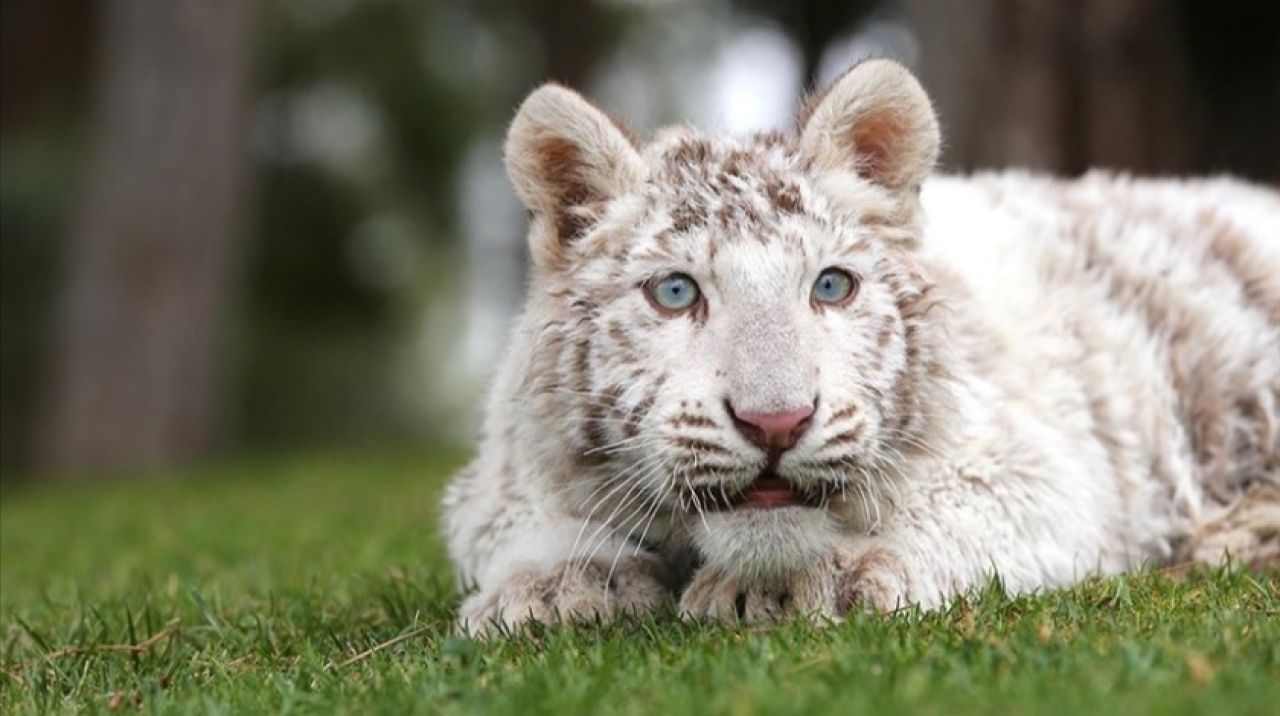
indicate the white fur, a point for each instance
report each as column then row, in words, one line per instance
column 1059, row 412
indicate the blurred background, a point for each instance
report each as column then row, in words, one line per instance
column 236, row 226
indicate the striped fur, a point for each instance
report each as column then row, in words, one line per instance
column 1040, row 377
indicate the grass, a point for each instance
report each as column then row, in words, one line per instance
column 320, row 585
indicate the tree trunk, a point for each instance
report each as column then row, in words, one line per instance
column 1058, row 87
column 135, row 378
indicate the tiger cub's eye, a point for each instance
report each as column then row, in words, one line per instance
column 673, row 292
column 834, row 286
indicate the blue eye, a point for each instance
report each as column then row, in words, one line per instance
column 834, row 286
column 674, row 292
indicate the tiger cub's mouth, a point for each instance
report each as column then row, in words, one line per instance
column 768, row 491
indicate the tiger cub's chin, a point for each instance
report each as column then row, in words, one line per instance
column 764, row 543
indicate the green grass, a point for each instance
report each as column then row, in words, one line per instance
column 282, row 586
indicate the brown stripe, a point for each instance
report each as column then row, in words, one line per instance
column 886, row 333
column 1259, row 281
column 697, row 445
column 622, row 338
column 848, row 436
column 636, row 414
column 698, row 421
column 845, row 412
column 1196, row 370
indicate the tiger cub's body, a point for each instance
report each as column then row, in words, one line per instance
column 1038, row 378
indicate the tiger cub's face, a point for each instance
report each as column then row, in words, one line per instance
column 734, row 329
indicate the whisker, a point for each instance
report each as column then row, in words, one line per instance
column 634, row 512
column 632, row 443
column 621, row 483
column 614, row 478
column 698, row 505
column 657, row 504
column 639, row 543
column 637, row 483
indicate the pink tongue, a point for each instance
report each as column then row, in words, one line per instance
column 769, row 492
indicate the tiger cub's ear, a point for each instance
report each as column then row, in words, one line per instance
column 875, row 120
column 564, row 158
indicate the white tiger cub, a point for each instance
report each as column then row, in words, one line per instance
column 794, row 374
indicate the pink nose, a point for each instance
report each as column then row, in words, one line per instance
column 774, row 432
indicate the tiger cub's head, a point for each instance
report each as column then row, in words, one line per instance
column 732, row 332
